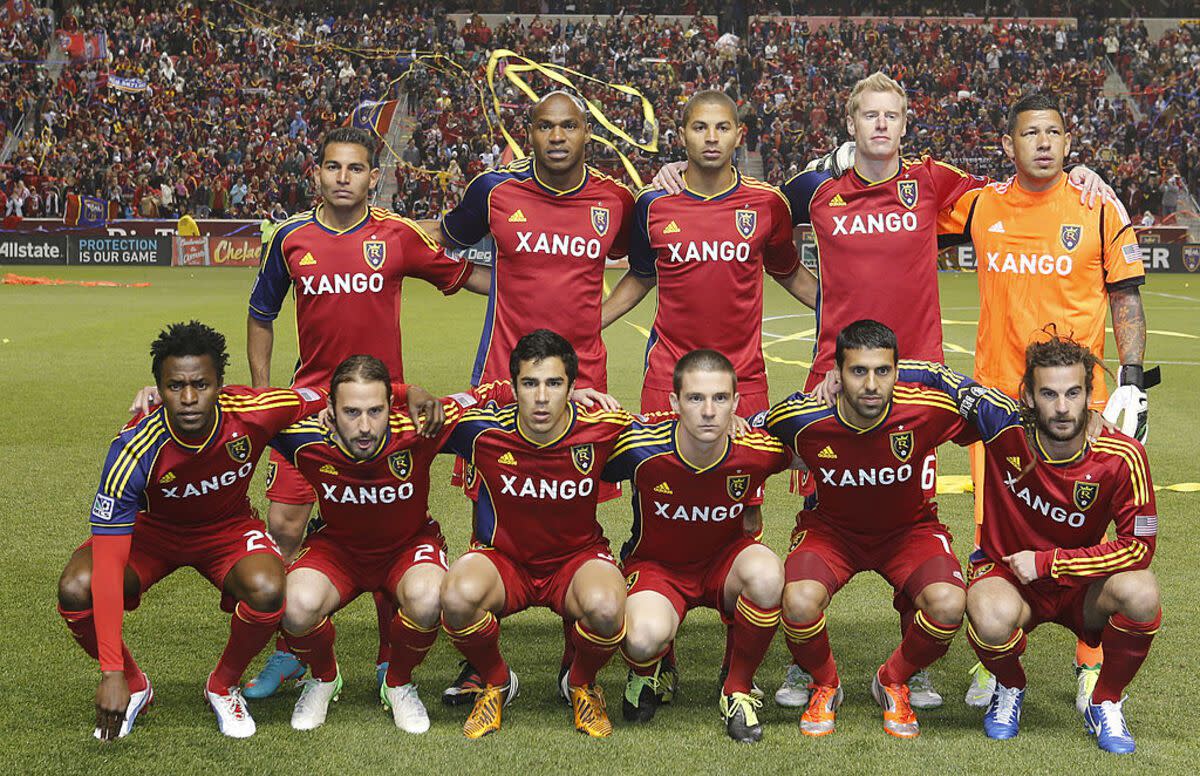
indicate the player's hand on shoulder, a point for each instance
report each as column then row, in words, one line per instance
column 112, row 699
column 146, row 400
column 1023, row 565
column 670, row 177
column 829, row 387
column 739, row 427
column 1098, row 424
column 1093, row 185
column 837, row 162
column 590, row 397
column 426, row 411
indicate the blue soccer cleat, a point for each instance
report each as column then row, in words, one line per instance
column 281, row 667
column 1002, row 720
column 380, row 675
column 1106, row 721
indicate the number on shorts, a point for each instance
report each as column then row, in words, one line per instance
column 425, row 554
column 259, row 540
column 929, row 473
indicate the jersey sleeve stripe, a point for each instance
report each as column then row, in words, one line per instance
column 130, row 455
column 1112, row 562
column 1135, row 463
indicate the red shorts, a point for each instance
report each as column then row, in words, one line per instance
column 525, row 587
column 354, row 571
column 285, row 483
column 1048, row 601
column 687, row 587
column 909, row 560
column 158, row 549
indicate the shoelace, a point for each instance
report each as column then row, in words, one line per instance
column 1006, row 705
column 920, row 681
column 822, row 698
column 748, row 704
column 981, row 676
column 235, row 703
column 1112, row 720
column 796, row 676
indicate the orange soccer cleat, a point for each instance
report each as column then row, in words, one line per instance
column 898, row 717
column 823, row 701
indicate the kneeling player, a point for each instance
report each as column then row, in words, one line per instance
column 872, row 455
column 1044, row 556
column 689, row 547
column 172, row 494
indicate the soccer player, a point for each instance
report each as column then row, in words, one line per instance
column 873, row 458
column 535, row 538
column 1044, row 555
column 345, row 263
column 1044, row 258
column 172, row 494
column 689, row 545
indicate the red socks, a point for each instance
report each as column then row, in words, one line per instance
column 479, row 643
column 409, row 643
column 1003, row 660
column 385, row 612
column 924, row 642
column 315, row 648
column 809, row 644
column 249, row 632
column 1126, row 643
column 748, row 639
column 592, row 651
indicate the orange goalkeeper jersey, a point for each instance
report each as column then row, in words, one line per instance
column 1043, row 258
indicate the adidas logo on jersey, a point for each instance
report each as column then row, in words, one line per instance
column 663, row 488
column 328, row 469
column 837, row 201
column 508, row 459
column 168, row 477
column 997, row 227
column 308, row 260
column 517, row 218
column 671, row 228
column 1015, row 462
column 827, row 453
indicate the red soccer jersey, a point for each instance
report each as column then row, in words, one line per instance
column 877, row 246
column 1059, row 509
column 708, row 255
column 872, row 482
column 684, row 515
column 551, row 248
column 347, row 286
column 536, row 503
column 152, row 474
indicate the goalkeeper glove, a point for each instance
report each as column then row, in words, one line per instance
column 837, row 162
column 1129, row 404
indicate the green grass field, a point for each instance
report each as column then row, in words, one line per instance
column 71, row 359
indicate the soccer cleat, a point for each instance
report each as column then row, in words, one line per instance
column 739, row 711
column 564, row 686
column 641, row 697
column 407, row 710
column 922, row 693
column 313, row 705
column 981, row 688
column 793, row 692
column 1106, row 721
column 668, row 679
column 380, row 676
column 755, row 690
column 591, row 715
column 898, row 717
column 1086, row 677
column 1002, row 720
column 823, row 701
column 489, row 700
column 280, row 667
column 138, row 701
column 463, row 690
column 233, row 716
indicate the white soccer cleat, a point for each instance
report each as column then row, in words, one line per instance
column 407, row 710
column 313, row 705
column 793, row 692
column 233, row 716
column 138, row 701
column 982, row 687
column 1086, row 677
column 922, row 693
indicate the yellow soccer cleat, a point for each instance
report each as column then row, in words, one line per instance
column 485, row 714
column 591, row 716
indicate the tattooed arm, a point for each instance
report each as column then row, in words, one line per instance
column 1129, row 324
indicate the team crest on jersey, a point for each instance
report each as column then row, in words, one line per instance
column 907, row 189
column 583, row 456
column 400, row 463
column 239, row 449
column 1191, row 257
column 797, row 538
column 1085, row 494
column 600, row 220
column 631, row 580
column 272, row 469
column 1070, row 234
column 375, row 253
column 902, row 445
column 746, row 222
column 736, row 485
column 981, row 569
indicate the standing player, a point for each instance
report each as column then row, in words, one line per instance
column 872, row 455
column 1044, row 556
column 689, row 545
column 345, row 263
column 172, row 494
column 1043, row 258
column 535, row 539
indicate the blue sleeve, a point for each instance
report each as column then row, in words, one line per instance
column 123, row 482
column 461, row 441
column 625, row 456
column 290, row 440
column 469, row 223
column 273, row 280
column 799, row 191
column 642, row 259
column 791, row 416
column 990, row 410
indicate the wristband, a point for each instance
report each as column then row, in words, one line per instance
column 1132, row 374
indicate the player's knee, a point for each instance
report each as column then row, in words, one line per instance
column 420, row 600
column 944, row 603
column 763, row 585
column 603, row 608
column 1137, row 594
column 804, row 601
column 265, row 590
column 646, row 635
column 303, row 610
column 993, row 621
column 75, row 589
column 462, row 593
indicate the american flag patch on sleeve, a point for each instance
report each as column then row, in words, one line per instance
column 1145, row 525
column 1132, row 253
column 308, row 394
column 463, row 400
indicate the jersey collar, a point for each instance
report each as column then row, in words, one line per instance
column 331, row 230
column 869, row 183
column 737, row 181
column 1041, row 451
column 696, row 469
column 858, row 429
column 189, row 446
column 567, row 430
column 559, row 192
